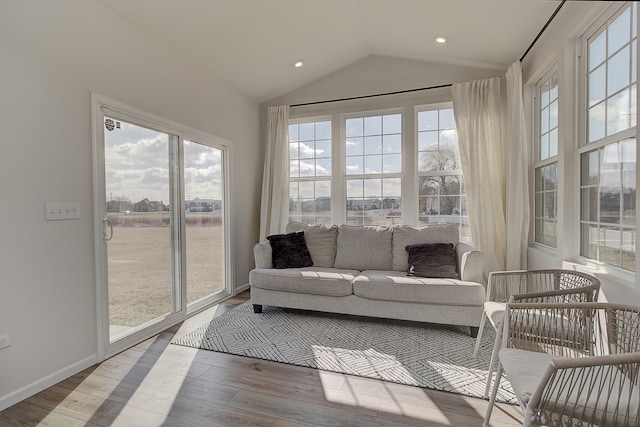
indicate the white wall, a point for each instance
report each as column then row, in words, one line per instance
column 53, row 55
column 559, row 44
column 380, row 74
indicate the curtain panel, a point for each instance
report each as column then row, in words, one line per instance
column 518, row 214
column 494, row 156
column 274, row 207
column 477, row 112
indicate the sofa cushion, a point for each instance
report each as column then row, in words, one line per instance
column 289, row 250
column 364, row 248
column 397, row 286
column 405, row 235
column 432, row 260
column 307, row 280
column 321, row 241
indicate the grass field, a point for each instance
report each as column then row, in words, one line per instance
column 140, row 266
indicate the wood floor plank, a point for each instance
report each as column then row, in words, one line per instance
column 27, row 414
column 298, row 411
column 72, row 404
column 159, row 384
column 129, row 415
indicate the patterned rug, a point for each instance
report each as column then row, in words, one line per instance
column 437, row 357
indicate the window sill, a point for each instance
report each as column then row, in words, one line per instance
column 616, row 280
column 547, row 250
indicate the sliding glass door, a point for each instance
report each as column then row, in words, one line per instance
column 142, row 225
column 204, row 218
column 162, row 230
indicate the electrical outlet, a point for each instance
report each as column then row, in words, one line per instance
column 62, row 210
column 5, row 341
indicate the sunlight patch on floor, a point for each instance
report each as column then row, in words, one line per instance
column 147, row 394
column 374, row 395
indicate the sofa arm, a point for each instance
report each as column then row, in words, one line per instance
column 262, row 255
column 470, row 263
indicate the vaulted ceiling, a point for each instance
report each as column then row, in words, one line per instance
column 252, row 44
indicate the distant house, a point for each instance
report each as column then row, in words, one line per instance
column 391, row 203
column 146, row 205
column 119, row 206
column 323, row 204
column 363, row 204
column 202, row 205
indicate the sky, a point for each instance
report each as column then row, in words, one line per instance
column 137, row 165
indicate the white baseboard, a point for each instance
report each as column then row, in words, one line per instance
column 46, row 382
column 241, row 289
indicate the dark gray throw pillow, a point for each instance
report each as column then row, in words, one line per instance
column 436, row 260
column 289, row 250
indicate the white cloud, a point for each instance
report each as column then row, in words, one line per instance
column 137, row 166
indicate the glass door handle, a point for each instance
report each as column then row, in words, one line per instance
column 108, row 224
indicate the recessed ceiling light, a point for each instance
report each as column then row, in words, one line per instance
column 298, row 64
column 441, row 39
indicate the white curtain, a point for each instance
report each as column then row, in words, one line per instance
column 477, row 112
column 274, row 210
column 518, row 214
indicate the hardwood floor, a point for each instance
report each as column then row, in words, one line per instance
column 158, row 384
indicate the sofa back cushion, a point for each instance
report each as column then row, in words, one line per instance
column 364, row 248
column 406, row 235
column 321, row 241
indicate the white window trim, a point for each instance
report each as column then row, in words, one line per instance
column 619, row 275
column 330, row 178
column 607, row 17
column 339, row 198
column 417, row 174
column 537, row 163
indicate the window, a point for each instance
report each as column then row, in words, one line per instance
column 608, row 158
column 546, row 168
column 440, row 181
column 611, row 75
column 310, row 171
column 362, row 178
column 373, row 166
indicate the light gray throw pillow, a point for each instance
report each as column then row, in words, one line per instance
column 364, row 248
column 321, row 241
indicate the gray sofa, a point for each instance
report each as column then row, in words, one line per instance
column 363, row 271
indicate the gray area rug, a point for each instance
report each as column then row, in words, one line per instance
column 437, row 357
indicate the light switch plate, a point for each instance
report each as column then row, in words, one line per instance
column 62, row 210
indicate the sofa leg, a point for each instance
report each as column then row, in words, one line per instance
column 257, row 308
column 474, row 331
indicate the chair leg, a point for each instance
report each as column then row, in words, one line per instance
column 479, row 338
column 492, row 401
column 492, row 364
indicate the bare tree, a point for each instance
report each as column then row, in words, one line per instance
column 446, row 186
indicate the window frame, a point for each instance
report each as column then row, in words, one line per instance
column 315, row 178
column 609, row 15
column 344, row 177
column 465, row 237
column 538, row 162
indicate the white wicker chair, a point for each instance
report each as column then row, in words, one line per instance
column 572, row 363
column 552, row 285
